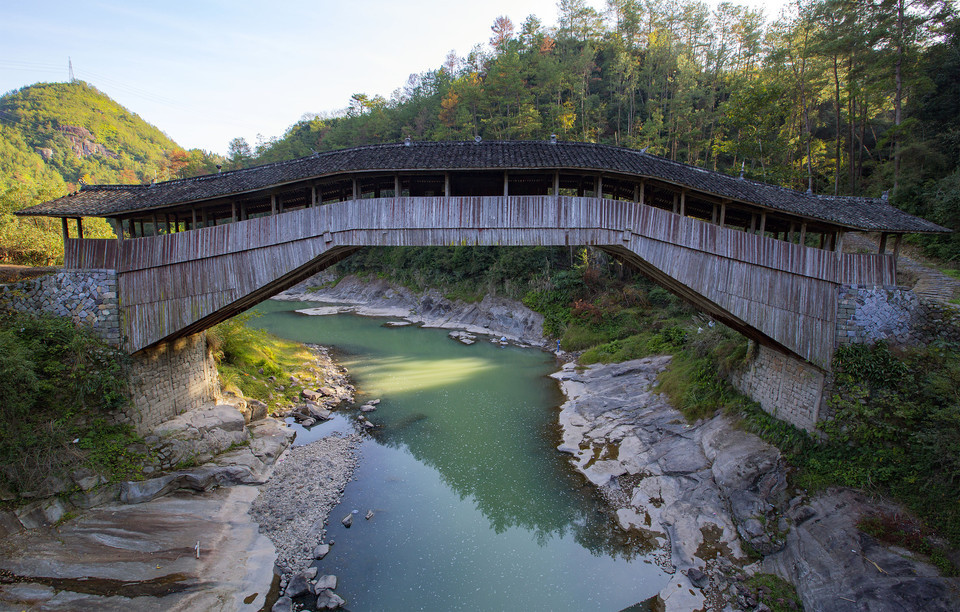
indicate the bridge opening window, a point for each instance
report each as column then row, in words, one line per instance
column 530, row 184
column 376, row 187
column 253, row 209
column 740, row 219
column 618, row 189
column 335, row 191
column 476, row 184
column 699, row 209
column 293, row 200
column 578, row 185
column 659, row 198
column 423, row 186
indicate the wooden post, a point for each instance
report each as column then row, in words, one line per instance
column 446, row 184
column 763, row 222
column 313, row 196
column 273, row 204
column 599, row 184
column 790, row 233
column 753, row 223
column 356, row 188
column 205, row 217
column 156, row 225
column 79, row 228
column 506, row 183
column 676, row 207
column 839, row 245
column 803, row 233
column 883, row 243
column 713, row 213
column 683, row 203
column 642, row 199
column 556, row 184
column 896, row 246
column 193, row 212
column 636, row 194
column 66, row 229
column 723, row 214
column 396, row 185
column 233, row 212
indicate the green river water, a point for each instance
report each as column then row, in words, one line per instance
column 475, row 509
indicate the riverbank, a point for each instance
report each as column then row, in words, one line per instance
column 492, row 316
column 183, row 539
column 717, row 500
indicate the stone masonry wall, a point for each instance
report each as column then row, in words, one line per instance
column 784, row 386
column 170, row 379
column 83, row 296
column 866, row 315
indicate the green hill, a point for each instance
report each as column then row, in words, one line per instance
column 53, row 136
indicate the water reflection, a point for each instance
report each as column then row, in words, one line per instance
column 466, row 447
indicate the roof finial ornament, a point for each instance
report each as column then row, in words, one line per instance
column 477, row 139
column 743, row 166
column 407, row 142
column 809, row 190
column 644, row 149
column 885, row 196
column 219, row 168
column 553, row 139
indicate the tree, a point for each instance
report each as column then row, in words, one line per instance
column 239, row 154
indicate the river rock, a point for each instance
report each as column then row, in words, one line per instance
column 283, row 604
column 325, row 583
column 463, row 337
column 347, row 520
column 328, row 600
column 311, row 395
column 367, row 408
column 298, row 585
column 837, row 568
column 321, row 551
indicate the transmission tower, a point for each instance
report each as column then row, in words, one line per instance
column 70, row 64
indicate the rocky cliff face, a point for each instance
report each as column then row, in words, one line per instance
column 83, row 143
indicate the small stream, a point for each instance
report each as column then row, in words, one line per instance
column 474, row 508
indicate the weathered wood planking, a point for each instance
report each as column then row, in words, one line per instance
column 780, row 293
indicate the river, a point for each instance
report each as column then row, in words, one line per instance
column 474, row 508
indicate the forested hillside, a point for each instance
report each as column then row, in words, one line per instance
column 842, row 96
column 54, row 136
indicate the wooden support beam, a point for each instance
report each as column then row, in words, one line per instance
column 723, row 214
column 156, row 225
column 313, row 196
column 446, row 184
column 599, row 184
column 273, row 204
column 676, row 204
column 233, row 212
column 66, row 229
column 396, row 185
column 713, row 214
column 838, row 247
column 763, row 222
column 683, row 203
column 803, row 233
column 80, row 228
column 642, row 186
column 506, row 183
column 793, row 227
column 556, row 184
column 883, row 243
column 896, row 246
column 193, row 212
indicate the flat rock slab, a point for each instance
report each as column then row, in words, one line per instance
column 143, row 557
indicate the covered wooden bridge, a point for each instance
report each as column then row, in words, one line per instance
column 764, row 260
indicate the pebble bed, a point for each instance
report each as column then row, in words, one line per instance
column 293, row 507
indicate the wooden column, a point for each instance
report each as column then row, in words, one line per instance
column 313, row 196
column 642, row 199
column 66, row 229
column 556, row 184
column 446, row 184
column 803, row 233
column 723, row 214
column 763, row 222
column 156, row 225
column 233, row 212
column 273, row 204
column 79, row 228
column 356, row 190
column 896, row 246
column 193, row 212
column 790, row 233
column 683, row 203
column 883, row 243
column 506, row 183
column 839, row 245
column 599, row 185
column 676, row 206
column 396, row 185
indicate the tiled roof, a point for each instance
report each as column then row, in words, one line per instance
column 868, row 214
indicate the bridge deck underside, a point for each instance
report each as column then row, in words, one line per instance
column 781, row 294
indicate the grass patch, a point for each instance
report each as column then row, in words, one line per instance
column 258, row 365
column 773, row 591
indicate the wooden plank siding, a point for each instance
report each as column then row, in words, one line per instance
column 779, row 293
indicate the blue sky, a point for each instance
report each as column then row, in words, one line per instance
column 208, row 71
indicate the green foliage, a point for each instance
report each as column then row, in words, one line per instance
column 773, row 591
column 62, row 385
column 248, row 357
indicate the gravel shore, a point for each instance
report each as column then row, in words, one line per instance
column 293, row 507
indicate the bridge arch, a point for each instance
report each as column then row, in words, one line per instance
column 764, row 260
